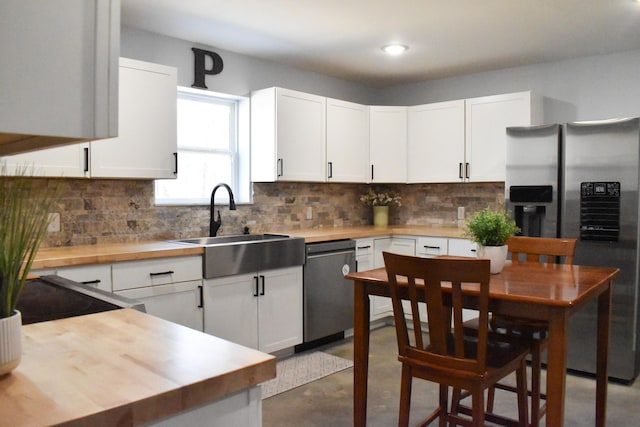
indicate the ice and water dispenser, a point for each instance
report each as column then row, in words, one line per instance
column 531, row 188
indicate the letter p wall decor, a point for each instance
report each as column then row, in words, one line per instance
column 200, row 66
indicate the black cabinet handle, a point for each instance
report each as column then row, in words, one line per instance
column 330, row 170
column 175, row 159
column 262, row 279
column 161, row 273
column 432, row 247
column 86, row 159
column 364, row 247
column 91, row 282
column 371, row 171
column 200, row 290
column 280, row 166
column 460, row 170
column 466, row 170
column 255, row 292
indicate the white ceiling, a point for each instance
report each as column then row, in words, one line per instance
column 342, row 38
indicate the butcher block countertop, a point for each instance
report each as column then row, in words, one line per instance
column 122, row 367
column 114, row 252
column 313, row 235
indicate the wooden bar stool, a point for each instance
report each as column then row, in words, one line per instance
column 450, row 358
column 534, row 333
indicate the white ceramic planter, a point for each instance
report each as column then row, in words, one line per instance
column 496, row 254
column 10, row 342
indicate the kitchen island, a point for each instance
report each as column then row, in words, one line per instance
column 127, row 368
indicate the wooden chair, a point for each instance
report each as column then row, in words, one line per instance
column 539, row 250
column 450, row 358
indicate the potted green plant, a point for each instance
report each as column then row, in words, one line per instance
column 24, row 218
column 380, row 202
column 491, row 229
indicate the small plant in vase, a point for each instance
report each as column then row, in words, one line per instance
column 24, row 218
column 491, row 229
column 380, row 202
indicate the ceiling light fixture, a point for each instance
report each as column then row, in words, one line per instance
column 394, row 49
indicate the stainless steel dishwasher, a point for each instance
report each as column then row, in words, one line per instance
column 328, row 296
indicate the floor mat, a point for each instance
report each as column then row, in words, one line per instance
column 302, row 369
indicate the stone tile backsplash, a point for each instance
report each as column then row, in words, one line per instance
column 116, row 211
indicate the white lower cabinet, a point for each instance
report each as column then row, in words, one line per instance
column 381, row 306
column 169, row 287
column 261, row 310
column 176, row 302
column 462, row 247
column 428, row 247
column 96, row 275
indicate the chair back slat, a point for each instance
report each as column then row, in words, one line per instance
column 440, row 282
column 542, row 249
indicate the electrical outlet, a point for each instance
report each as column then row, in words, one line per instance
column 309, row 212
column 54, row 222
column 461, row 212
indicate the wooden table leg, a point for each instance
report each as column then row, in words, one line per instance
column 360, row 353
column 556, row 368
column 604, row 319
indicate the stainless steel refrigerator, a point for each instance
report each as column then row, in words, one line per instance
column 597, row 203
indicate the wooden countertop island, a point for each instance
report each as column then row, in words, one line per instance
column 125, row 368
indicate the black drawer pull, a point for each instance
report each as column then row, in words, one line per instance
column 364, row 247
column 162, row 273
column 91, row 282
column 432, row 247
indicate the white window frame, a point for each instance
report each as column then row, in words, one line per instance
column 239, row 154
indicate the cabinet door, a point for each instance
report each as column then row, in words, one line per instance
column 57, row 79
column 177, row 302
column 347, row 141
column 381, row 306
column 70, row 161
column 146, row 145
column 364, row 254
column 462, row 247
column 429, row 247
column 230, row 308
column 435, row 142
column 280, row 309
column 96, row 275
column 288, row 136
column 388, row 144
column 486, row 121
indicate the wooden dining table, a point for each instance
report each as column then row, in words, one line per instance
column 547, row 292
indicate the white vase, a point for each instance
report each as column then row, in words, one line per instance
column 381, row 216
column 496, row 254
column 10, row 342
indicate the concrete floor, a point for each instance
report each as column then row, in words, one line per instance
column 328, row 402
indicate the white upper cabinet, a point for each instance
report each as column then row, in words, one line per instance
column 70, row 161
column 288, row 136
column 347, row 141
column 146, row 145
column 435, row 142
column 486, row 121
column 58, row 83
column 388, row 144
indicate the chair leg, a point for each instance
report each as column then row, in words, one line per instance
column 491, row 395
column 477, row 408
column 444, row 406
column 405, row 396
column 536, row 367
column 521, row 384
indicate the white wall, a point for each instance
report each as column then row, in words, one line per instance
column 241, row 74
column 590, row 88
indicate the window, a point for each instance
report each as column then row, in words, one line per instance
column 213, row 147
